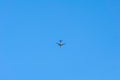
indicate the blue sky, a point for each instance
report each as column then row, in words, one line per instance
column 30, row 29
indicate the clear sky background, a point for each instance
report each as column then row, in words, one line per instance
column 29, row 30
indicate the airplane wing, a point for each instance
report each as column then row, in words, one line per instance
column 63, row 44
column 60, row 40
column 57, row 43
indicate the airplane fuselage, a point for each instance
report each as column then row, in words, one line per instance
column 60, row 43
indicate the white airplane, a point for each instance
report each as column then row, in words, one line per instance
column 60, row 43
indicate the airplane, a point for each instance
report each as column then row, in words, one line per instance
column 60, row 43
